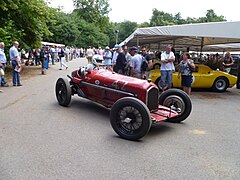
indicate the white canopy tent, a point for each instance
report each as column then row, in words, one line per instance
column 52, row 44
column 194, row 37
column 222, row 47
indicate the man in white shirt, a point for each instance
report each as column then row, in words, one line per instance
column 167, row 67
column 15, row 59
column 89, row 54
column 107, row 57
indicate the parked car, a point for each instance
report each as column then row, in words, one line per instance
column 135, row 104
column 203, row 77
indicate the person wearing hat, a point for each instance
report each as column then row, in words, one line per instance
column 114, row 56
column 107, row 57
column 135, row 63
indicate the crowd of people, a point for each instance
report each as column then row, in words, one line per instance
column 122, row 59
column 135, row 63
column 42, row 56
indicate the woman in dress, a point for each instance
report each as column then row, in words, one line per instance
column 186, row 67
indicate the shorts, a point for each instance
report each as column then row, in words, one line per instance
column 166, row 78
column 187, row 81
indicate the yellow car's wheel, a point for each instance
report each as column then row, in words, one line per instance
column 220, row 84
column 157, row 66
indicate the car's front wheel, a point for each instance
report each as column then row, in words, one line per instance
column 178, row 101
column 63, row 91
column 220, row 84
column 156, row 66
column 130, row 118
column 158, row 83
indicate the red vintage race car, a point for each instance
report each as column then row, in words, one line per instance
column 134, row 103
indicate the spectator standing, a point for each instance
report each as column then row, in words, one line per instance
column 135, row 63
column 167, row 67
column 56, row 49
column 67, row 54
column 227, row 62
column 120, row 61
column 42, row 59
column 128, row 58
column 185, row 70
column 107, row 57
column 15, row 59
column 148, row 58
column 62, row 62
column 52, row 52
column 89, row 54
column 3, row 62
column 47, row 57
column 100, row 51
column 114, row 57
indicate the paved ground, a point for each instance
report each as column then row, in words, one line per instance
column 41, row 140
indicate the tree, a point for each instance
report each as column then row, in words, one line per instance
column 93, row 11
column 25, row 21
column 160, row 18
column 64, row 30
column 125, row 29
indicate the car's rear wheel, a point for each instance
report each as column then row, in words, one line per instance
column 220, row 84
column 178, row 101
column 63, row 91
column 130, row 118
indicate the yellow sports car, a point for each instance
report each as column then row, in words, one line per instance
column 203, row 77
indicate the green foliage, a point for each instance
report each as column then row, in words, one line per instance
column 31, row 21
column 125, row 29
column 27, row 20
column 64, row 30
column 160, row 18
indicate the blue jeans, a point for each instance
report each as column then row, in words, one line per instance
column 166, row 78
column 46, row 62
column 2, row 78
column 15, row 74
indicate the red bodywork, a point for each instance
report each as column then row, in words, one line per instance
column 106, row 87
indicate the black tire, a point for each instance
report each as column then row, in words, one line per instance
column 156, row 66
column 130, row 118
column 63, row 91
column 220, row 84
column 179, row 101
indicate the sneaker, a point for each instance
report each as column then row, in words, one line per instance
column 19, row 85
column 5, row 85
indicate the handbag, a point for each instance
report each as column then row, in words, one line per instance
column 2, row 72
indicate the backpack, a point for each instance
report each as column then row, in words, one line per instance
column 144, row 64
column 41, row 54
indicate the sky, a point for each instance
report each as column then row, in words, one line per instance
column 141, row 10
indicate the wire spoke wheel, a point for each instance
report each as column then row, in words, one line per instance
column 178, row 101
column 130, row 118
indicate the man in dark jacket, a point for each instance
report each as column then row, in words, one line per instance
column 121, row 61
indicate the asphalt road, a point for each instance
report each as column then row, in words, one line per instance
column 41, row 140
